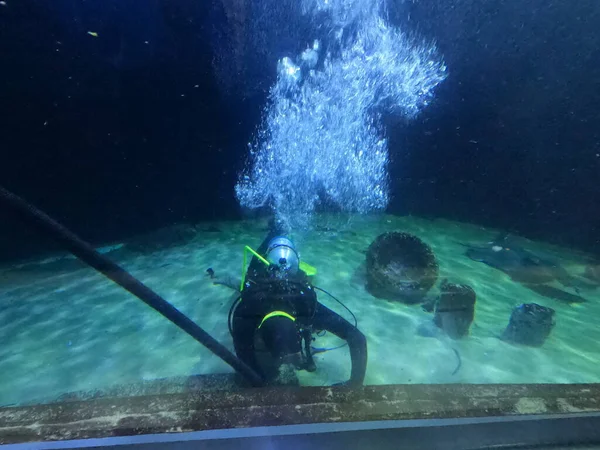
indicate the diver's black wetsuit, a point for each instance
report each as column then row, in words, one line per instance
column 264, row 294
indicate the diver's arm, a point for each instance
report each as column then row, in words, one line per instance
column 326, row 319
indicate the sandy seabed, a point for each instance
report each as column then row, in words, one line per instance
column 64, row 327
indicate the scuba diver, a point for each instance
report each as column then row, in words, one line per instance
column 278, row 312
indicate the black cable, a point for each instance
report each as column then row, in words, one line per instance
column 347, row 309
column 233, row 305
column 114, row 272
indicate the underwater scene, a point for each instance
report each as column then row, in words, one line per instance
column 304, row 193
column 68, row 329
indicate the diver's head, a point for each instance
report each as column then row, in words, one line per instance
column 282, row 340
column 278, row 225
column 282, row 254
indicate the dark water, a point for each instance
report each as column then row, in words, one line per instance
column 134, row 129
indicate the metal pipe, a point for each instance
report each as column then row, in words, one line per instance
column 113, row 271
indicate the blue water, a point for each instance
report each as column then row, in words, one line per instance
column 322, row 138
column 66, row 328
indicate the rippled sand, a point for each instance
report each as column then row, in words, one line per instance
column 65, row 328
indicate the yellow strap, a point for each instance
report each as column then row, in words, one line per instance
column 308, row 269
column 263, row 260
column 260, row 258
column 274, row 314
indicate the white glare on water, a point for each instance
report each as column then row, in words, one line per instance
column 322, row 138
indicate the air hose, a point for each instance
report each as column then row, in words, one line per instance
column 114, row 272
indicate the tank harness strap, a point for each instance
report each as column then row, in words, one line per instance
column 274, row 314
column 260, row 258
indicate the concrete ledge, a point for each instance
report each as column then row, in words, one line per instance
column 202, row 410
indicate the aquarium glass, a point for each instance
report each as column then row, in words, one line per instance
column 314, row 184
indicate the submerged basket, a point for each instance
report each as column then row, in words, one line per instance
column 400, row 267
column 455, row 309
column 530, row 324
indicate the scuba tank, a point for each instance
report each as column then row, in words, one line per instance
column 282, row 255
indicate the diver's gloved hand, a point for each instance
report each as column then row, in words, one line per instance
column 310, row 366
